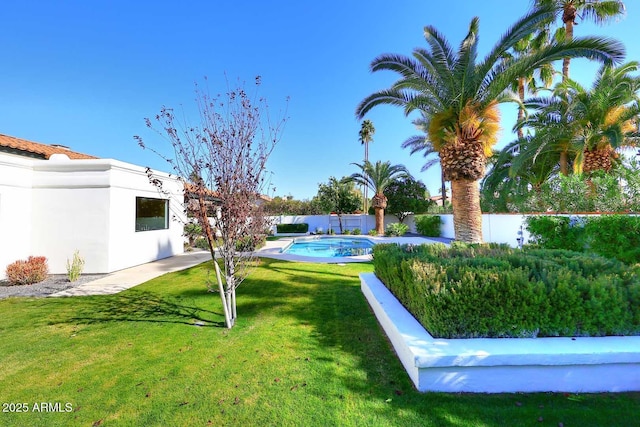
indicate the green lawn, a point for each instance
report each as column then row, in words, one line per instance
column 306, row 351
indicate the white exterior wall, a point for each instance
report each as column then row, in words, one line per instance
column 496, row 228
column 130, row 247
column 86, row 205
column 15, row 210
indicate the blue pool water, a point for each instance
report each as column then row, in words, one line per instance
column 329, row 247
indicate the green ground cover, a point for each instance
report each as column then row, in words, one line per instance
column 306, row 351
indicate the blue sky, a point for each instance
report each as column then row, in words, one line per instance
column 86, row 73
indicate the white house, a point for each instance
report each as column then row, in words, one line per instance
column 54, row 201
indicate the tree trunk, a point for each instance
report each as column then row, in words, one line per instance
column 564, row 163
column 467, row 215
column 379, row 220
column 568, row 25
column 521, row 95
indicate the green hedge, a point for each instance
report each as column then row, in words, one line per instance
column 428, row 225
column 469, row 291
column 292, row 228
column 612, row 236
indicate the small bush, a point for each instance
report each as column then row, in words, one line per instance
column 611, row 236
column 28, row 272
column 428, row 225
column 192, row 231
column 331, row 232
column 292, row 228
column 470, row 291
column 357, row 231
column 201, row 243
column 556, row 232
column 347, row 232
column 250, row 243
column 75, row 267
column 396, row 229
column 372, row 232
column 614, row 236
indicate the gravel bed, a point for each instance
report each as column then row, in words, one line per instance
column 52, row 284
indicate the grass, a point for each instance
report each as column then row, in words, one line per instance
column 306, row 351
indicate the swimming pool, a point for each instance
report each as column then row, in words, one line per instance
column 329, row 247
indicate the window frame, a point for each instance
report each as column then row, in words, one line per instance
column 151, row 226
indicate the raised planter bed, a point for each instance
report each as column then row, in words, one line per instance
column 487, row 365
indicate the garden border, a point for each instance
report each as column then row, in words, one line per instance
column 503, row 365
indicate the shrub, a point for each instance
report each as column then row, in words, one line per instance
column 201, row 243
column 75, row 267
column 396, row 229
column 192, row 232
column 28, row 272
column 346, row 231
column 469, row 291
column 292, row 228
column 357, row 231
column 556, row 232
column 428, row 225
column 250, row 243
column 612, row 236
column 372, row 232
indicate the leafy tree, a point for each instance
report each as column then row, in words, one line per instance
column 598, row 11
column 338, row 196
column 223, row 158
column 459, row 96
column 378, row 177
column 407, row 195
column 290, row 206
column 590, row 125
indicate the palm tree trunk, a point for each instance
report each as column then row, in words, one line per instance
column 379, row 220
column 467, row 215
column 521, row 95
column 564, row 163
column 568, row 25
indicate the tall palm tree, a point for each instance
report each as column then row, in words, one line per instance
column 607, row 116
column 378, row 176
column 365, row 137
column 598, row 11
column 554, row 126
column 459, row 98
column 535, row 80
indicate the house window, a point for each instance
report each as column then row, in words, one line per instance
column 151, row 214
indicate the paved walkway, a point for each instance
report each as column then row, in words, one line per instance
column 124, row 279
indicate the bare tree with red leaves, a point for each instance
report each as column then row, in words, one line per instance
column 222, row 160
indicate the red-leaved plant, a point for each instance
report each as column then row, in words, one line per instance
column 33, row 270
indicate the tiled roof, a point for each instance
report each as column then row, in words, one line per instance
column 40, row 150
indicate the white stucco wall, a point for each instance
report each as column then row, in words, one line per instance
column 86, row 205
column 127, row 183
column 15, row 210
column 363, row 222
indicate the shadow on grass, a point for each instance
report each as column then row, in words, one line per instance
column 331, row 302
column 141, row 306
